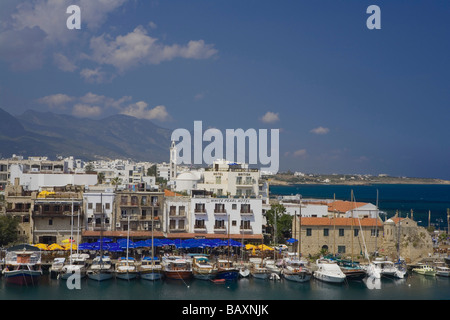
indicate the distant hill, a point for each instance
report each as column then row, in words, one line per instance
column 49, row 134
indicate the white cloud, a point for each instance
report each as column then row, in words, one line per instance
column 56, row 101
column 96, row 75
column 300, row 153
column 270, row 117
column 320, row 130
column 140, row 110
column 63, row 63
column 138, row 48
column 85, row 110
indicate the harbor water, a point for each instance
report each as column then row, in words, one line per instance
column 414, row 287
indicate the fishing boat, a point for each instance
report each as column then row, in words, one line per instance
column 56, row 267
column 22, row 265
column 203, row 269
column 101, row 269
column 352, row 270
column 226, row 270
column 126, row 268
column 176, row 267
column 425, row 270
column 150, row 269
column 443, row 271
column 77, row 265
column 329, row 271
column 273, row 266
column 296, row 270
column 258, row 269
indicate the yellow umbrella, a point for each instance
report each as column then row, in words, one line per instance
column 67, row 246
column 264, row 247
column 68, row 240
column 41, row 246
column 249, row 246
column 55, row 246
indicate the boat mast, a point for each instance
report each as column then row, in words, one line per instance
column 300, row 230
column 352, row 232
column 128, row 236
column 71, row 233
column 376, row 225
column 153, row 253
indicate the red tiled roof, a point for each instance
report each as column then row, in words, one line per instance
column 365, row 222
column 344, row 206
column 169, row 193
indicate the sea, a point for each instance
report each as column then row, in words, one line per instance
column 179, row 299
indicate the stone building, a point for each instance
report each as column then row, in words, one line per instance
column 402, row 236
column 344, row 236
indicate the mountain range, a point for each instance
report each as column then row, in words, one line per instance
column 37, row 133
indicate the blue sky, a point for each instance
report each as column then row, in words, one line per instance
column 345, row 98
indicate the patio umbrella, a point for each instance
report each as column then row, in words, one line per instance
column 264, row 247
column 67, row 246
column 291, row 240
column 250, row 246
column 68, row 240
column 41, row 246
column 55, row 246
column 85, row 246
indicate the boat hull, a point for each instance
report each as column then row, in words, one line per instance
column 328, row 278
column 354, row 274
column 205, row 275
column 297, row 276
column 126, row 275
column 151, row 276
column 261, row 275
column 228, row 275
column 100, row 276
column 178, row 275
column 67, row 275
column 22, row 277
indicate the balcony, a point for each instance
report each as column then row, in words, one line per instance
column 200, row 210
column 199, row 228
column 246, row 229
column 220, row 229
column 246, row 212
column 220, row 211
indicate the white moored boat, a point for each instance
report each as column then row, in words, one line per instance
column 329, row 271
column 77, row 265
column 101, row 269
column 126, row 269
column 297, row 270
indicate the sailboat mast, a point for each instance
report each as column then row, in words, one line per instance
column 300, row 230
column 352, row 232
column 71, row 233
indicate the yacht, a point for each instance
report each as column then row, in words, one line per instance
column 126, row 268
column 388, row 269
column 258, row 269
column 56, row 267
column 150, row 269
column 329, row 271
column 101, row 269
column 297, row 270
column 77, row 264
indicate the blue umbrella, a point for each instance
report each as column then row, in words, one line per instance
column 291, row 240
column 85, row 246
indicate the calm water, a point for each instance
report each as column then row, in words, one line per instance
column 414, row 287
column 419, row 198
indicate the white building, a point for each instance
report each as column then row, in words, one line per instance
column 230, row 178
column 238, row 218
column 188, row 181
column 98, row 209
column 36, row 181
column 177, row 212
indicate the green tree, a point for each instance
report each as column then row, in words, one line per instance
column 89, row 168
column 100, row 177
column 151, row 172
column 8, row 230
column 279, row 221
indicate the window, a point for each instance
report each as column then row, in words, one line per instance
column 374, row 233
column 219, row 224
column 90, row 205
column 234, row 206
column 245, row 224
column 107, row 206
column 199, row 223
column 341, row 232
column 182, row 210
column 325, row 232
column 50, row 222
column 98, row 207
column 308, row 232
column 341, row 249
column 173, row 210
column 355, row 232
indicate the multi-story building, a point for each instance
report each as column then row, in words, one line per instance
column 99, row 205
column 19, row 204
column 229, row 178
column 52, row 213
column 177, row 213
column 237, row 218
column 144, row 210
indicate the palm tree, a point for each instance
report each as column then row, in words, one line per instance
column 115, row 182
